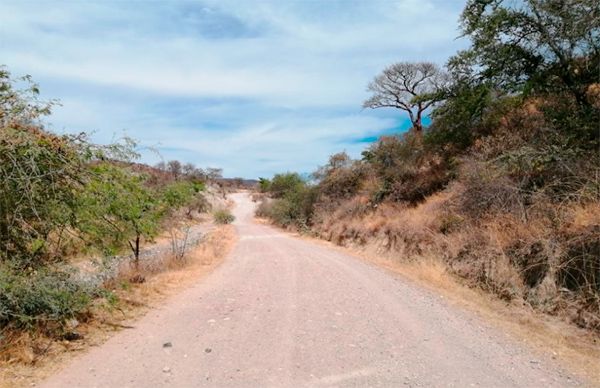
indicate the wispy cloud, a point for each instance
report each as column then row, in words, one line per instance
column 254, row 87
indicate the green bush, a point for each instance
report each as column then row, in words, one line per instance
column 41, row 298
column 117, row 209
column 282, row 184
column 264, row 185
column 41, row 175
column 223, row 216
column 47, row 168
column 178, row 194
column 295, row 209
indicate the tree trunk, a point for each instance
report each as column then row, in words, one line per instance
column 418, row 127
column 417, row 122
column 137, row 251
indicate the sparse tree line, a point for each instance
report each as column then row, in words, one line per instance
column 188, row 170
column 63, row 196
column 503, row 184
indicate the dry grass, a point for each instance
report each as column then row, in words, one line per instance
column 504, row 265
column 389, row 227
column 577, row 349
column 30, row 358
column 518, row 256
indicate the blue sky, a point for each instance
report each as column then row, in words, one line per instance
column 253, row 87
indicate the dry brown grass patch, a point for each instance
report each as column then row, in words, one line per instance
column 30, row 358
column 577, row 349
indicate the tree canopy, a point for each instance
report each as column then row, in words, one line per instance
column 411, row 87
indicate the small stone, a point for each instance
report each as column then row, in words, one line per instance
column 167, row 345
column 166, row 369
column 72, row 336
column 208, row 350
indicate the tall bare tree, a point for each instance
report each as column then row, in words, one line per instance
column 411, row 87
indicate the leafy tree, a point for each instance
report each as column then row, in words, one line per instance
column 532, row 45
column 117, row 207
column 39, row 175
column 282, row 184
column 178, row 194
column 185, row 194
column 294, row 200
column 411, row 87
column 264, row 185
column 21, row 106
column 460, row 119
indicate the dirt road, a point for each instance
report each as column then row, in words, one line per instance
column 285, row 312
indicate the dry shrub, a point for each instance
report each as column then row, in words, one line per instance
column 223, row 216
column 578, row 274
column 593, row 95
column 540, row 254
column 257, row 197
column 264, row 209
column 414, row 186
column 390, row 226
column 406, row 170
column 485, row 190
column 476, row 257
column 24, row 347
column 342, row 182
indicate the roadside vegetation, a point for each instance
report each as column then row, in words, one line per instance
column 63, row 198
column 503, row 186
column 223, row 216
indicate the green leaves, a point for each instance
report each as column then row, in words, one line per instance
column 44, row 297
column 223, row 216
column 40, row 176
column 282, row 184
column 179, row 194
column 116, row 207
column 537, row 46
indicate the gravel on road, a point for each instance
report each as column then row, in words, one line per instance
column 285, row 312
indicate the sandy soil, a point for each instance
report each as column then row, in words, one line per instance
column 283, row 311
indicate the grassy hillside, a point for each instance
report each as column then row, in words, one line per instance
column 503, row 186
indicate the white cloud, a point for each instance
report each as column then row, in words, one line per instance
column 226, row 83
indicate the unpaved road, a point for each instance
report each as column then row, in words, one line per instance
column 285, row 312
